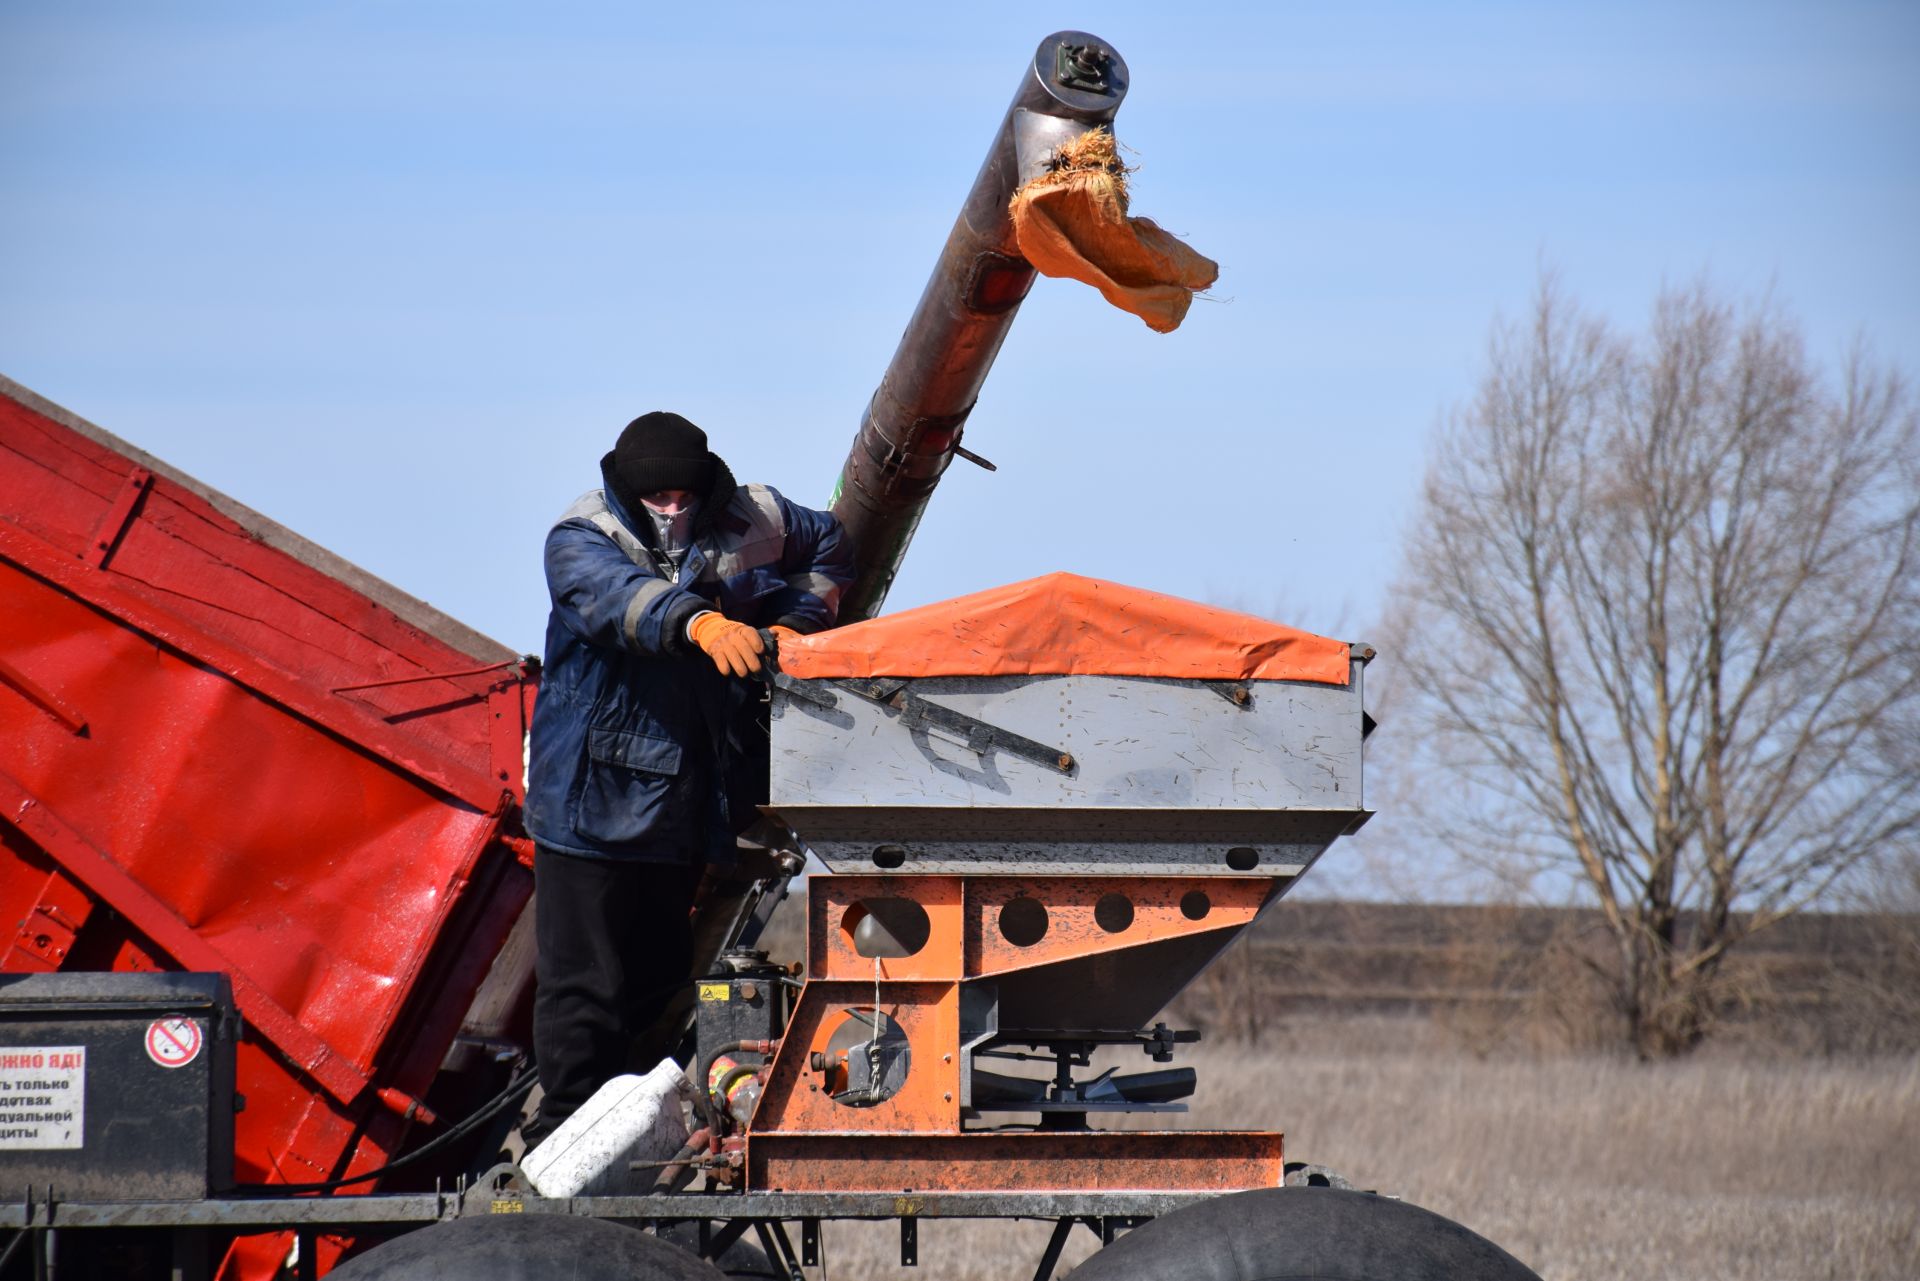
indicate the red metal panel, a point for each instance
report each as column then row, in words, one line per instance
column 445, row 759
column 188, row 573
column 45, row 935
column 50, row 703
column 222, row 749
column 110, row 883
column 249, row 824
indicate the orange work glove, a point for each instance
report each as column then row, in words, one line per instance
column 783, row 634
column 734, row 647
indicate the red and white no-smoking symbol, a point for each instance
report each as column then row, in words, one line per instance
column 174, row 1042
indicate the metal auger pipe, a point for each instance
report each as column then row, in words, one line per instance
column 912, row 426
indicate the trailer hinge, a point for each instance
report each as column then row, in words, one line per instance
column 45, row 936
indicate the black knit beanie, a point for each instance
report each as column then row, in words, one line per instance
column 663, row 451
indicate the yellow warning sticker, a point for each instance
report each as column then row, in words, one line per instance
column 715, row 991
column 506, row 1206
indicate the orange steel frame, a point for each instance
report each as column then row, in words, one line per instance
column 803, row 1140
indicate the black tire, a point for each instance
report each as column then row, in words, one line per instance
column 526, row 1247
column 1303, row 1234
column 739, row 1261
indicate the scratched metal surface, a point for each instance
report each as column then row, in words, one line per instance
column 1168, row 775
column 1139, row 742
column 1068, row 841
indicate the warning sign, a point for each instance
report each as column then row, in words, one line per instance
column 173, row 1042
column 43, row 1096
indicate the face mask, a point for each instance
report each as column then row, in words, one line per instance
column 674, row 531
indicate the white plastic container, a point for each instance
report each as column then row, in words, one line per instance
column 630, row 1118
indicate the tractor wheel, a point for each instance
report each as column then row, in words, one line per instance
column 1302, row 1234
column 526, row 1247
column 739, row 1261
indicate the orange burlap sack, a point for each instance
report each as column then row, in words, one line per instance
column 1072, row 221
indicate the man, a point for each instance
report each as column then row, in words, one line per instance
column 649, row 746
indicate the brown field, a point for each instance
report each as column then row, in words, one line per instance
column 1441, row 1055
column 1585, row 1167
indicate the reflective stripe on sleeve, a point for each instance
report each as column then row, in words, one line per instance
column 643, row 595
column 816, row 585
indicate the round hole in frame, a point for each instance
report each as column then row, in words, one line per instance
column 1023, row 921
column 890, row 928
column 1242, row 858
column 889, row 856
column 1113, row 913
column 1194, row 905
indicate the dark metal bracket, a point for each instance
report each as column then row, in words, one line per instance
column 1081, row 66
column 778, row 1247
column 1107, row 1227
column 979, row 736
column 1236, row 692
column 915, row 711
column 814, row 692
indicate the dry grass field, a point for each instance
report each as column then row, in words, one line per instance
column 1443, row 1055
column 1587, row 1168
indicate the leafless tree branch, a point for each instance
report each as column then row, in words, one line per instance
column 1662, row 612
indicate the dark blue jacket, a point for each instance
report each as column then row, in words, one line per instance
column 641, row 749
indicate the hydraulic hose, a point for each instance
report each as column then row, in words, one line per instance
column 723, row 1091
column 516, row 1091
column 674, row 1166
column 703, row 1094
column 731, row 1047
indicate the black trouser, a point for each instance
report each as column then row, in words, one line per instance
column 614, row 944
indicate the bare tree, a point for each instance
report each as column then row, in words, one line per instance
column 1661, row 611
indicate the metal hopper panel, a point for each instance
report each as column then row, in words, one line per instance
column 1173, row 776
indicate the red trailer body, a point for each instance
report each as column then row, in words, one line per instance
column 222, row 748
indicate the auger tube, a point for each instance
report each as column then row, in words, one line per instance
column 911, row 430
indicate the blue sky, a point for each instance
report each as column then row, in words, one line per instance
column 396, row 274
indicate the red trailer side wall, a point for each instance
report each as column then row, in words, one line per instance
column 189, row 780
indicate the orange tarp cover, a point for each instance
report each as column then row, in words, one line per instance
column 1063, row 624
